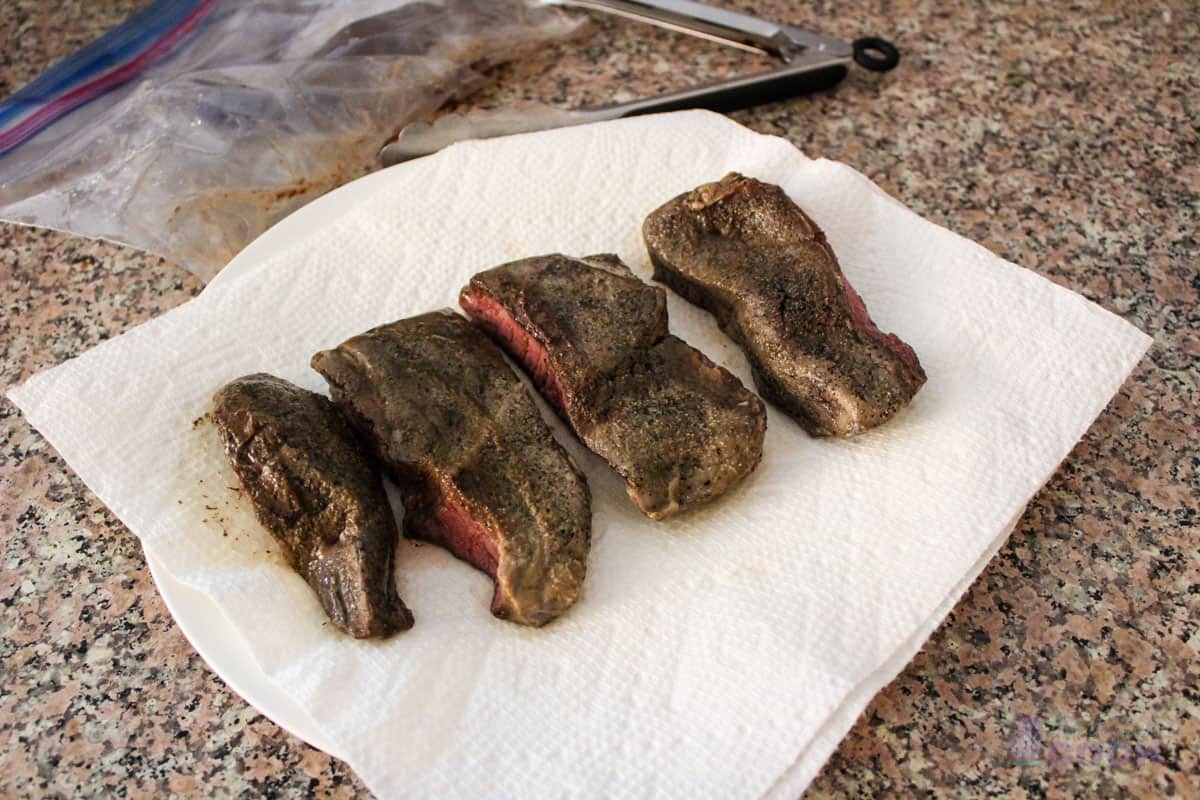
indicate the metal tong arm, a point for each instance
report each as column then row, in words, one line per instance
column 785, row 42
column 809, row 62
column 696, row 19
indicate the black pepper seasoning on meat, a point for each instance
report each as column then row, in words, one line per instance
column 478, row 469
column 680, row 430
column 742, row 250
column 315, row 490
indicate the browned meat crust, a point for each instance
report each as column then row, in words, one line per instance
column 744, row 251
column 314, row 489
column 680, row 430
column 478, row 468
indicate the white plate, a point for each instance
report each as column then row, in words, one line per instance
column 220, row 645
column 198, row 616
column 217, row 642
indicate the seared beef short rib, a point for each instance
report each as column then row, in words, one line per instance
column 479, row 471
column 745, row 252
column 314, row 489
column 680, row 430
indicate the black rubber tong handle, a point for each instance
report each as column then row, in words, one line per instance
column 871, row 52
column 726, row 97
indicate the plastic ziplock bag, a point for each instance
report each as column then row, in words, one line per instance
column 197, row 124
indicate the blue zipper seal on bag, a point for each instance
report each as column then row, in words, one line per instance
column 115, row 58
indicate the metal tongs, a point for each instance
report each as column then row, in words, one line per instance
column 808, row 62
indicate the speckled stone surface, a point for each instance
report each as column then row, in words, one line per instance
column 1063, row 137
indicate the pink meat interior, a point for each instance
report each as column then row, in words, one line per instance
column 466, row 537
column 858, row 309
column 517, row 341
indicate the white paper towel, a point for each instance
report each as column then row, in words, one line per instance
column 719, row 655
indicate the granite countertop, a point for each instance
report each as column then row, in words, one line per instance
column 1063, row 138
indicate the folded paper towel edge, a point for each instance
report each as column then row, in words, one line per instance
column 793, row 782
column 813, row 757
